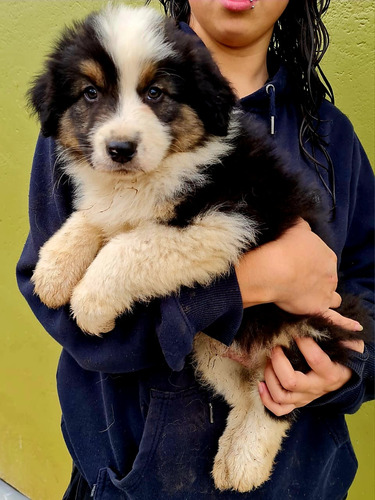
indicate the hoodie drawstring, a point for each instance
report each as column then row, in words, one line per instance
column 270, row 89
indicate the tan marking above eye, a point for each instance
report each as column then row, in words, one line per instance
column 93, row 71
column 146, row 76
column 152, row 75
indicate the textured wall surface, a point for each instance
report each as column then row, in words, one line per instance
column 349, row 64
column 33, row 456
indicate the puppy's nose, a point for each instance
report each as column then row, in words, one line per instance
column 121, row 151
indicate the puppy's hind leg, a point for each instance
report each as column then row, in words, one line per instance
column 252, row 437
column 64, row 258
column 248, row 446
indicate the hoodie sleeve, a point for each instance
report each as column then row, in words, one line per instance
column 356, row 266
column 161, row 329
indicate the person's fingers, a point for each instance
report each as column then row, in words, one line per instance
column 289, row 379
column 326, row 375
column 315, row 357
column 354, row 345
column 274, row 386
column 277, row 409
column 337, row 319
column 285, row 389
column 288, row 386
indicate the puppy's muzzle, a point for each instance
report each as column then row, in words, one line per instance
column 121, row 151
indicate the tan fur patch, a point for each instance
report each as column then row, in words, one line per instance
column 66, row 135
column 58, row 272
column 146, row 76
column 187, row 131
column 164, row 211
column 93, row 71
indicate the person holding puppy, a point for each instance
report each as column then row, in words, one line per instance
column 138, row 426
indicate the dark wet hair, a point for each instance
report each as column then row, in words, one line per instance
column 299, row 41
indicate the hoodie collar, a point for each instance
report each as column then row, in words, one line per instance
column 276, row 88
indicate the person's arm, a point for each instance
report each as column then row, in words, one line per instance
column 297, row 272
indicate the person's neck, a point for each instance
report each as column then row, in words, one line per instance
column 246, row 71
column 244, row 67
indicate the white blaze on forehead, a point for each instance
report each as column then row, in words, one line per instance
column 133, row 37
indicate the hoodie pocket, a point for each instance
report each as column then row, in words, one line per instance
column 176, row 451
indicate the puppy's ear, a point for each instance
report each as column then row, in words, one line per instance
column 41, row 98
column 51, row 93
column 212, row 96
column 205, row 88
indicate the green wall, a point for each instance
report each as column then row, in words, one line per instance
column 349, row 65
column 32, row 454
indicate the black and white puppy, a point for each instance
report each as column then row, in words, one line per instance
column 172, row 185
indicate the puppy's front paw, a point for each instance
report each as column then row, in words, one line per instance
column 95, row 306
column 91, row 310
column 53, row 282
column 93, row 324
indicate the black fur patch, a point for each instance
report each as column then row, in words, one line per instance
column 252, row 181
column 201, row 85
column 56, row 90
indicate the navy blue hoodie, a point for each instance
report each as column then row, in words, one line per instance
column 137, row 424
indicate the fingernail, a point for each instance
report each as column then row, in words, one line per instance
column 260, row 388
column 358, row 327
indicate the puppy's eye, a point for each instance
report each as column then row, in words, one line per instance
column 154, row 94
column 90, row 93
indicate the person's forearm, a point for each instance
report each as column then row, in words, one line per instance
column 297, row 272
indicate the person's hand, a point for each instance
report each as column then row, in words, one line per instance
column 297, row 272
column 285, row 389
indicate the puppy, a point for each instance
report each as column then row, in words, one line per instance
column 172, row 185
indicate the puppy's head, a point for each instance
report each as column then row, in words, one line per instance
column 125, row 89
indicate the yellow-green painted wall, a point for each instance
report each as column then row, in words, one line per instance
column 32, row 454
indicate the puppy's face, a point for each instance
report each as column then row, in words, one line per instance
column 125, row 89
